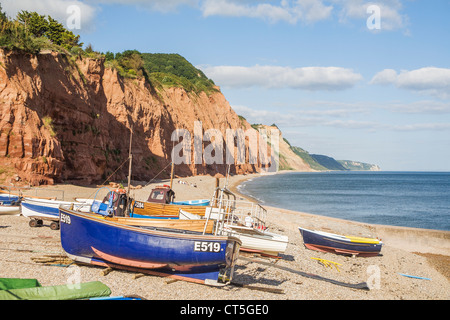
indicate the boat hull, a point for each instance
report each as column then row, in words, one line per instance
column 160, row 209
column 259, row 241
column 9, row 210
column 328, row 242
column 7, row 200
column 91, row 239
column 47, row 208
column 203, row 202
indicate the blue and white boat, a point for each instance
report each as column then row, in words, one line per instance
column 9, row 204
column 193, row 256
column 8, row 199
column 43, row 209
column 340, row 244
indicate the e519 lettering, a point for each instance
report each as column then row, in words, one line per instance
column 203, row 246
column 65, row 218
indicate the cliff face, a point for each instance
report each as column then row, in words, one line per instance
column 288, row 160
column 65, row 119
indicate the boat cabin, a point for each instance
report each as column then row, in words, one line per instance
column 161, row 194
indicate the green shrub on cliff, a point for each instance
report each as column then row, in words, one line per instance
column 162, row 70
column 32, row 32
column 174, row 70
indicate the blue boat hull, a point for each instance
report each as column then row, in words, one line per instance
column 192, row 203
column 141, row 216
column 89, row 238
column 34, row 210
column 7, row 200
column 337, row 244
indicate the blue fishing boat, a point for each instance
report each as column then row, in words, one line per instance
column 194, row 256
column 339, row 244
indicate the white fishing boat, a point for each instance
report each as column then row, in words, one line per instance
column 244, row 220
column 43, row 209
column 9, row 204
column 255, row 240
column 9, row 210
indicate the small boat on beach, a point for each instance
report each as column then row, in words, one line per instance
column 124, row 244
column 9, row 204
column 161, row 202
column 225, row 207
column 43, row 209
column 339, row 244
column 114, row 207
column 8, row 199
column 246, row 221
column 144, row 208
column 9, row 210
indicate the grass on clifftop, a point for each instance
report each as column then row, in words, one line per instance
column 31, row 32
column 173, row 70
column 162, row 70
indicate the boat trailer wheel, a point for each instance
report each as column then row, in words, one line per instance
column 54, row 225
column 34, row 223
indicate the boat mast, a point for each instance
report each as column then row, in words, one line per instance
column 130, row 157
column 171, row 175
column 228, row 175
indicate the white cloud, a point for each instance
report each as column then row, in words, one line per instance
column 307, row 78
column 431, row 80
column 287, row 10
column 390, row 12
column 57, row 9
column 156, row 5
column 421, row 107
column 422, row 127
column 386, row 76
column 306, row 118
column 272, row 11
column 358, row 120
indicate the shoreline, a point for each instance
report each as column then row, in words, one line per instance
column 430, row 243
column 385, row 231
column 20, row 243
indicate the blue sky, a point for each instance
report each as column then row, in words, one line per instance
column 332, row 85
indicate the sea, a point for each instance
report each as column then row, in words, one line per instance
column 407, row 199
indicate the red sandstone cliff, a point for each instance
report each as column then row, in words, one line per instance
column 64, row 119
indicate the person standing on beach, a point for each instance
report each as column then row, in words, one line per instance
column 249, row 220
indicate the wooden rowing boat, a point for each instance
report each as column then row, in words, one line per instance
column 339, row 244
column 145, row 208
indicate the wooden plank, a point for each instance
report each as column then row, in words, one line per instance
column 160, row 209
column 190, row 225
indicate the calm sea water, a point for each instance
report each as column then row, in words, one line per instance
column 409, row 199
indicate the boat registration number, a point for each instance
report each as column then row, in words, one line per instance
column 204, row 246
column 139, row 205
column 65, row 218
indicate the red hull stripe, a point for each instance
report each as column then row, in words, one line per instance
column 336, row 250
column 127, row 262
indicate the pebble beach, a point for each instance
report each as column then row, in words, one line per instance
column 417, row 252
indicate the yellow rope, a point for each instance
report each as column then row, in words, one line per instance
column 328, row 263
